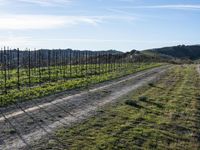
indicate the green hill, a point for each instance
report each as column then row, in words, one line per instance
column 182, row 52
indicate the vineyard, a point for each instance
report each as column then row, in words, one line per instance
column 32, row 74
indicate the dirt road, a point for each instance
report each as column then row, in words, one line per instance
column 24, row 123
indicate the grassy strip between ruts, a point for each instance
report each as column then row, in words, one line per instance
column 162, row 115
column 14, row 96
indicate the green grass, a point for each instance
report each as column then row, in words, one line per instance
column 163, row 116
column 56, row 73
column 14, row 95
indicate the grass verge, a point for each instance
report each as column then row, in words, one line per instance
column 164, row 115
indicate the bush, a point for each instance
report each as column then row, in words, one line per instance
column 131, row 103
column 11, row 131
column 143, row 98
column 151, row 84
column 198, row 98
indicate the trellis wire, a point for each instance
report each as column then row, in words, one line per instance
column 21, row 69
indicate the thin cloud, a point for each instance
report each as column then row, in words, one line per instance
column 38, row 2
column 80, row 40
column 25, row 22
column 177, row 6
column 14, row 41
column 33, row 22
column 130, row 1
column 46, row 2
column 30, row 42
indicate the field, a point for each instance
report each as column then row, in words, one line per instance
column 162, row 115
column 99, row 75
column 56, row 100
column 66, row 78
column 26, row 75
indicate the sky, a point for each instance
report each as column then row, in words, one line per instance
column 99, row 24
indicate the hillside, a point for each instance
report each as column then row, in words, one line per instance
column 182, row 52
column 151, row 56
column 50, row 56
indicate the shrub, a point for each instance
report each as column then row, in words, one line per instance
column 198, row 98
column 151, row 84
column 143, row 98
column 131, row 103
column 11, row 131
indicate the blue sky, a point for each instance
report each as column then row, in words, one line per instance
column 99, row 24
